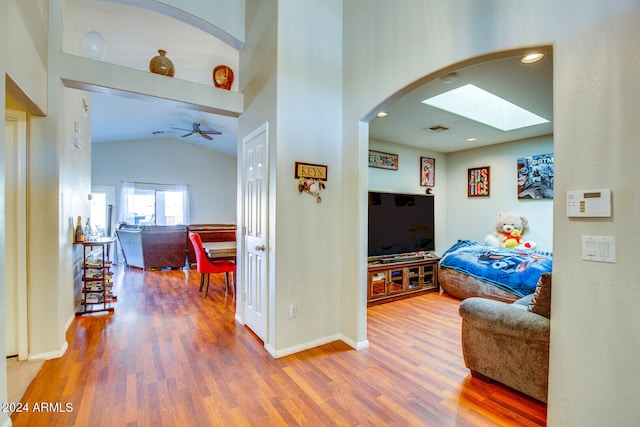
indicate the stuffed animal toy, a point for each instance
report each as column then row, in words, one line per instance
column 508, row 234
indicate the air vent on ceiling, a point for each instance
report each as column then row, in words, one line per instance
column 437, row 128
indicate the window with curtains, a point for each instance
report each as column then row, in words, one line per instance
column 154, row 204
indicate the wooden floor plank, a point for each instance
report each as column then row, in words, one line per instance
column 167, row 357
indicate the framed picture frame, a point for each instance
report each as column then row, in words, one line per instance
column 536, row 177
column 310, row 170
column 427, row 172
column 479, row 182
column 382, row 160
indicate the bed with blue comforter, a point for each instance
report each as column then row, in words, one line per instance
column 470, row 268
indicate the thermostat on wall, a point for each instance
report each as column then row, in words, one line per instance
column 589, row 203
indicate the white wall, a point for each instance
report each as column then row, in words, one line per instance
column 594, row 378
column 23, row 30
column 303, row 260
column 474, row 218
column 309, row 98
column 258, row 82
column 227, row 15
column 211, row 176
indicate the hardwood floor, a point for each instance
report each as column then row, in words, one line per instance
column 169, row 357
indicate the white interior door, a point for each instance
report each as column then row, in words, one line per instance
column 255, row 245
column 16, row 234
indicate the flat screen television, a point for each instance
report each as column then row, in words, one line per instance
column 400, row 223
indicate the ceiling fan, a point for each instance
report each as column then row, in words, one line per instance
column 196, row 130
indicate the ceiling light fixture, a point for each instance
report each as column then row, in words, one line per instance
column 382, row 114
column 477, row 104
column 437, row 128
column 532, row 58
column 472, row 139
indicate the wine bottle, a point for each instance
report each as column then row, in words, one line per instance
column 79, row 232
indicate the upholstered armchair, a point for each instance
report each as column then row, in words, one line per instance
column 509, row 343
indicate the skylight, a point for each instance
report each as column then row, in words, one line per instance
column 481, row 106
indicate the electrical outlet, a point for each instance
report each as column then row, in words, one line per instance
column 294, row 310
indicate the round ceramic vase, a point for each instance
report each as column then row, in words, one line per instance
column 223, row 77
column 161, row 64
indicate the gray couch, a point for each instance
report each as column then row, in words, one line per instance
column 153, row 246
column 507, row 343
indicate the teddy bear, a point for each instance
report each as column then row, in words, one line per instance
column 508, row 233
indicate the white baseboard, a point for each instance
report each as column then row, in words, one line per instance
column 316, row 343
column 239, row 319
column 358, row 345
column 69, row 321
column 305, row 346
column 270, row 350
column 51, row 354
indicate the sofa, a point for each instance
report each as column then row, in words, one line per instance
column 153, row 246
column 210, row 233
column 509, row 342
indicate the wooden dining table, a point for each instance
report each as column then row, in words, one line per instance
column 220, row 250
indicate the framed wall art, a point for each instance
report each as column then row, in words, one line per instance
column 378, row 159
column 427, row 171
column 478, row 182
column 535, row 177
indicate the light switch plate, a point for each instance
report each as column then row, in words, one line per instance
column 599, row 248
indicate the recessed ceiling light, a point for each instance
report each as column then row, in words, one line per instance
column 477, row 104
column 471, row 139
column 532, row 58
column 382, row 114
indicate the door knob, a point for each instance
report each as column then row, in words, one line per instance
column 260, row 248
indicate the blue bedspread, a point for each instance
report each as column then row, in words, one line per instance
column 513, row 270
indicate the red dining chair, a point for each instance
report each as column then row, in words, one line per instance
column 207, row 266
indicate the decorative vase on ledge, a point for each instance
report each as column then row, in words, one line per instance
column 94, row 45
column 223, row 77
column 161, row 64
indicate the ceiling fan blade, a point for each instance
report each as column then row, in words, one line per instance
column 212, row 132
column 187, row 134
column 205, row 136
column 186, row 130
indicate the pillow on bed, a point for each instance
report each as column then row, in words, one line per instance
column 541, row 301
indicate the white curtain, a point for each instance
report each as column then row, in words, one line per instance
column 184, row 189
column 126, row 212
column 127, row 191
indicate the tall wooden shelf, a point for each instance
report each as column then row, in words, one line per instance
column 393, row 278
column 96, row 278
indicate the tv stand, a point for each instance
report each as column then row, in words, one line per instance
column 394, row 277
